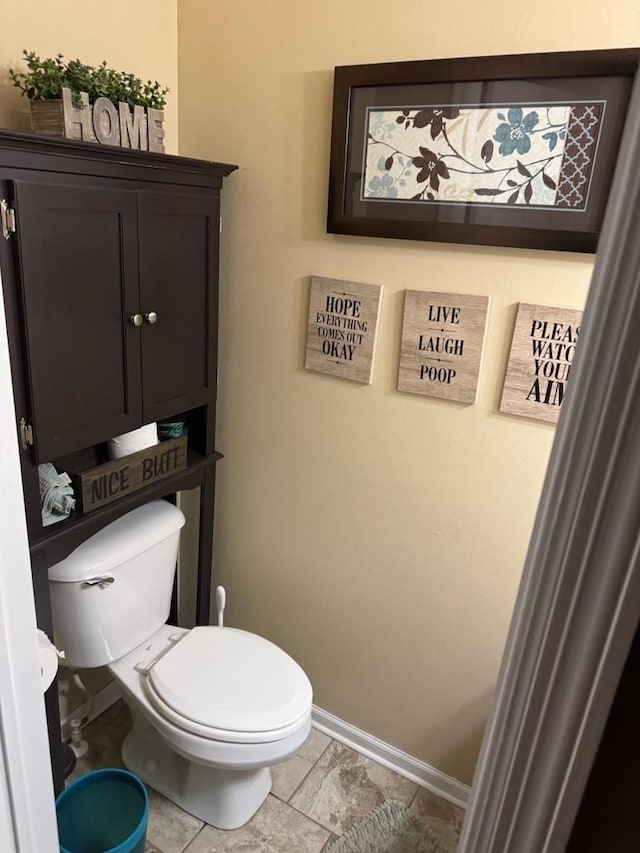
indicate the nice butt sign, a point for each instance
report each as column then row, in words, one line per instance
column 109, row 482
column 542, row 352
column 442, row 343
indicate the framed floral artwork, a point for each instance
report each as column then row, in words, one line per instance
column 498, row 150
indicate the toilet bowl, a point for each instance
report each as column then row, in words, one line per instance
column 216, row 772
column 212, row 707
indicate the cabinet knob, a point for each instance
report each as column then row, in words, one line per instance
column 135, row 319
column 151, row 318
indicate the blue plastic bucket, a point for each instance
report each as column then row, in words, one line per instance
column 105, row 811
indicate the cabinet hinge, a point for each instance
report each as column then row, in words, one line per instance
column 26, row 434
column 7, row 219
column 221, row 225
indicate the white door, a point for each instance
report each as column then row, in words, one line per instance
column 27, row 812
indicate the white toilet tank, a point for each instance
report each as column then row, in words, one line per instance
column 114, row 590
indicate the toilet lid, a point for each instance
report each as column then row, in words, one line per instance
column 231, row 680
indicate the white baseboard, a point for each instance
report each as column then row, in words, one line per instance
column 372, row 747
column 400, row 762
column 103, row 699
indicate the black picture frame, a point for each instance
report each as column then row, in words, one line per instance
column 421, row 97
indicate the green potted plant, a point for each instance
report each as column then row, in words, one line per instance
column 44, row 79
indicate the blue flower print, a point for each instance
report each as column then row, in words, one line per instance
column 514, row 134
column 382, row 187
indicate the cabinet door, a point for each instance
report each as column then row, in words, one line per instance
column 78, row 272
column 178, row 236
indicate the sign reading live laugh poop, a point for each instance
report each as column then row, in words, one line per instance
column 542, row 352
column 343, row 321
column 442, row 340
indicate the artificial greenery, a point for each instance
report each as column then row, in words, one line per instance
column 45, row 79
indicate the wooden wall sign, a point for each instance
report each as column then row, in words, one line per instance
column 102, row 122
column 106, row 483
column 542, row 352
column 442, row 342
column 342, row 328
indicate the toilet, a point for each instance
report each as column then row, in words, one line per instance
column 213, row 707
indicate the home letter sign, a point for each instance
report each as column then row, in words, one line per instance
column 103, row 123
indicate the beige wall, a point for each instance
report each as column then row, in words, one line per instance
column 139, row 36
column 377, row 536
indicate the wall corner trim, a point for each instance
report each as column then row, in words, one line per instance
column 402, row 763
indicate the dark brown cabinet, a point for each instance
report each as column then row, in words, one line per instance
column 77, row 251
column 109, row 263
column 178, row 252
column 119, row 297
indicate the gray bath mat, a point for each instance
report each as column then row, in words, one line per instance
column 388, row 829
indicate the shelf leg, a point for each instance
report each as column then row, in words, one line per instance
column 205, row 549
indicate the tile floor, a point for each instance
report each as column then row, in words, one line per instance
column 316, row 796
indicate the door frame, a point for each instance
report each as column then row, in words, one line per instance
column 578, row 605
column 27, row 811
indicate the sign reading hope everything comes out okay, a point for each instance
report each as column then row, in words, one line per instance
column 542, row 352
column 343, row 322
column 442, row 341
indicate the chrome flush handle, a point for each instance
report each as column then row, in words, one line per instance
column 102, row 581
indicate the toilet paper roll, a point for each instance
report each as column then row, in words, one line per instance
column 132, row 442
column 48, row 656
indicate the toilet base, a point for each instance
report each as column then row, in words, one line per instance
column 225, row 799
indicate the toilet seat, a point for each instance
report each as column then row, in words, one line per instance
column 229, row 685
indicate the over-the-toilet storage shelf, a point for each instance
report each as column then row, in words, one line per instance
column 92, row 237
